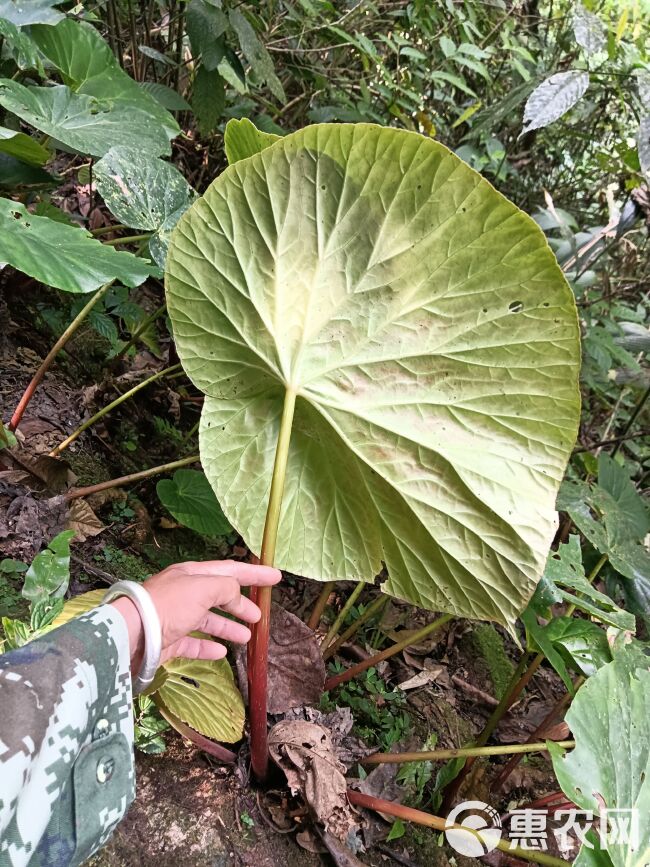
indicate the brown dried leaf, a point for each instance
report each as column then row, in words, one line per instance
column 305, row 753
column 349, row 748
column 308, row 840
column 296, row 667
column 83, row 521
column 53, row 472
column 28, row 524
column 422, row 678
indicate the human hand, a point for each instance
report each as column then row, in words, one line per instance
column 184, row 594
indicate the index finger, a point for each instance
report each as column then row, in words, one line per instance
column 246, row 574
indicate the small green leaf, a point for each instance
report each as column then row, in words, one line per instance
column 45, row 208
column 564, row 572
column 205, row 26
column 49, row 574
column 588, row 30
column 397, row 830
column 583, row 643
column 104, row 325
column 537, row 638
column 12, row 567
column 7, row 441
column 16, row 632
column 44, row 611
column 242, row 139
column 203, row 694
column 145, row 193
column 168, row 98
column 191, row 500
column 554, row 97
column 62, row 256
column 612, row 516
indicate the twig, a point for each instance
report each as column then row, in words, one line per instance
column 413, row 638
column 75, row 493
column 106, row 409
column 321, row 602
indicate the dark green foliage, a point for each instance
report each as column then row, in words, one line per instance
column 379, row 712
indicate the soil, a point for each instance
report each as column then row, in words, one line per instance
column 188, row 812
column 189, row 809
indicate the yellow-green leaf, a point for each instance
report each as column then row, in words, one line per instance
column 77, row 606
column 242, row 139
column 430, row 340
column 203, row 694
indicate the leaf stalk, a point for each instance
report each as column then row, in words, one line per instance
column 462, row 752
column 258, row 671
column 106, row 409
column 439, row 824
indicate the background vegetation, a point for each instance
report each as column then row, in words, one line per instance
column 76, row 110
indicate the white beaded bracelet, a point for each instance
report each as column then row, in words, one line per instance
column 151, row 625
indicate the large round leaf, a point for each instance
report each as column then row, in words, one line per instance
column 432, row 345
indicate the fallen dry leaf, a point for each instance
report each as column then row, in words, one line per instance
column 28, row 524
column 348, row 748
column 296, row 667
column 305, row 753
column 308, row 840
column 83, row 521
column 422, row 678
column 54, row 473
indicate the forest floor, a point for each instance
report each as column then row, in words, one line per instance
column 190, row 810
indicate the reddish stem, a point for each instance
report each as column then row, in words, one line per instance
column 257, row 685
column 390, row 808
column 321, row 602
column 258, row 671
column 199, row 740
column 548, row 720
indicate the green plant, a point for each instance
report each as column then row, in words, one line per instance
column 380, row 715
column 270, row 387
column 149, row 726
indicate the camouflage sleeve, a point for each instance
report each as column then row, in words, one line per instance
column 66, row 741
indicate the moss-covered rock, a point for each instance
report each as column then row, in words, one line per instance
column 490, row 657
